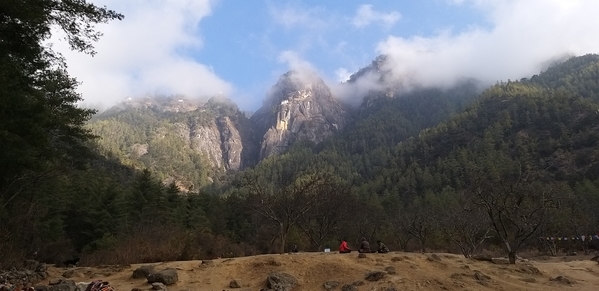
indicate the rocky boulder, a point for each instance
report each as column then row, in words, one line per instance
column 281, row 281
column 166, row 277
column 143, row 272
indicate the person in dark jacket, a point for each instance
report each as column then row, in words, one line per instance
column 364, row 246
column 382, row 247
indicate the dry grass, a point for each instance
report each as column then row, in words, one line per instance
column 163, row 244
column 410, row 271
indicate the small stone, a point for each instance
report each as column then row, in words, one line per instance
column 158, row 286
column 330, row 285
column 375, row 276
column 54, row 281
column 397, row 259
column 235, row 283
column 390, row 270
column 478, row 275
column 563, row 280
column 361, row 256
column 349, row 288
column 358, row 283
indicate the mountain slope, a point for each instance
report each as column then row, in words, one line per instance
column 179, row 139
column 300, row 107
column 553, row 132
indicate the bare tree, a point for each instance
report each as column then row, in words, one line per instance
column 325, row 219
column 285, row 202
column 420, row 221
column 516, row 207
column 463, row 222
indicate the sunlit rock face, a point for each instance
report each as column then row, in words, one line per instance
column 299, row 106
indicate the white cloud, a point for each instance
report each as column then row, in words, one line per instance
column 298, row 17
column 304, row 71
column 145, row 53
column 342, row 74
column 523, row 36
column 365, row 16
column 295, row 62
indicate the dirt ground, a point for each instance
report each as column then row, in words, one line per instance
column 404, row 271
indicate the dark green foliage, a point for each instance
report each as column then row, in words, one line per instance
column 41, row 129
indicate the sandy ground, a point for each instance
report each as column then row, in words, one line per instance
column 413, row 271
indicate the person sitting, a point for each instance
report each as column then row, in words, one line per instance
column 382, row 247
column 343, row 248
column 364, row 246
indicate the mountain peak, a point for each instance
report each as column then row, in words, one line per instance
column 299, row 106
column 297, row 85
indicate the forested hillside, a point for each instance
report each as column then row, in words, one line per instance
column 179, row 140
column 524, row 153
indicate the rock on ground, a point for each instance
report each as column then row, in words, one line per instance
column 281, row 281
column 143, row 272
column 158, row 286
column 235, row 283
column 166, row 277
column 330, row 285
column 375, row 276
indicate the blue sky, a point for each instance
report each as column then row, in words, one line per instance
column 239, row 47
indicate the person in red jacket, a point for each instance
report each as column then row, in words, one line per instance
column 343, row 248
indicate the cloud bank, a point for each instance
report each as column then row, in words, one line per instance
column 520, row 40
column 148, row 52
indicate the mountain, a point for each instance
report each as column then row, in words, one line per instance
column 547, row 125
column 193, row 143
column 299, row 107
column 184, row 141
column 426, row 170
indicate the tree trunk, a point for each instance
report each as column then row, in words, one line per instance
column 283, row 238
column 512, row 256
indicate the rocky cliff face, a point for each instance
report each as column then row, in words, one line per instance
column 298, row 107
column 226, row 141
column 186, row 141
column 222, row 134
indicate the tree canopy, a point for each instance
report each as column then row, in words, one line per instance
column 41, row 127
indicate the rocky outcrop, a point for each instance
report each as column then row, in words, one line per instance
column 205, row 139
column 224, row 142
column 300, row 106
column 32, row 273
